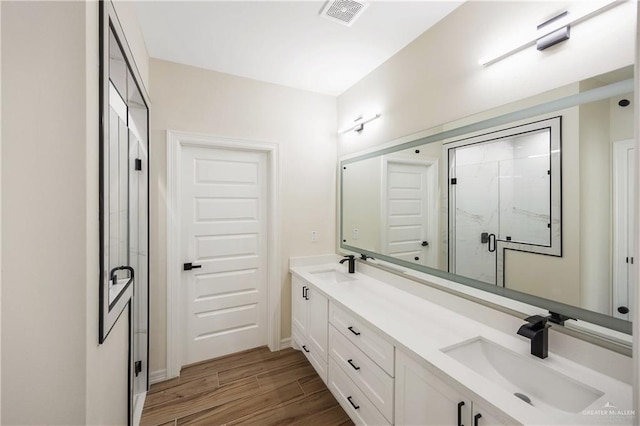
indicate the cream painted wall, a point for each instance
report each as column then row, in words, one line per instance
column 53, row 370
column 361, row 183
column 0, row 212
column 44, row 215
column 622, row 119
column 437, row 78
column 595, row 207
column 302, row 123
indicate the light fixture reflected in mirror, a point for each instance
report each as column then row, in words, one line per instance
column 553, row 31
column 359, row 123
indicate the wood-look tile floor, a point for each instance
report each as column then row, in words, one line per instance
column 257, row 387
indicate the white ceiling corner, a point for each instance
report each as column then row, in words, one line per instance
column 284, row 42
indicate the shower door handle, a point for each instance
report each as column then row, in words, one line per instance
column 113, row 277
column 492, row 243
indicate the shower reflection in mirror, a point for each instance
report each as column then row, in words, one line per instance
column 504, row 193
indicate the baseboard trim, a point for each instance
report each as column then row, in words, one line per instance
column 161, row 375
column 285, row 343
column 158, row 376
column 138, row 405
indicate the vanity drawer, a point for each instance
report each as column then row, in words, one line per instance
column 366, row 374
column 363, row 336
column 355, row 403
column 316, row 361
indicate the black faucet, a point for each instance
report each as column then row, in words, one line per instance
column 352, row 263
column 537, row 330
column 365, row 257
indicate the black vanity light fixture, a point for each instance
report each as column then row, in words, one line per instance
column 553, row 31
column 359, row 123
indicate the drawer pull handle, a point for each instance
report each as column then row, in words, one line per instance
column 476, row 418
column 357, row 333
column 305, row 348
column 352, row 403
column 304, row 288
column 355, row 367
column 460, row 405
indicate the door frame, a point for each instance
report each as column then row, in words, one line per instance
column 176, row 141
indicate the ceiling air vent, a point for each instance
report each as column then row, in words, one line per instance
column 343, row 11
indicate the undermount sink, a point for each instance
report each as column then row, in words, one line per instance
column 334, row 276
column 525, row 378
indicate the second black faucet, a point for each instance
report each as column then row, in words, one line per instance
column 352, row 263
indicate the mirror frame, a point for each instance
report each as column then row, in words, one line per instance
column 574, row 312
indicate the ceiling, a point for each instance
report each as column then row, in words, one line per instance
column 284, row 42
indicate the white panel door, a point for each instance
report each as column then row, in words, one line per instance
column 407, row 209
column 223, row 215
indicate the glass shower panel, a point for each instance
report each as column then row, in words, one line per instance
column 525, row 190
column 476, row 213
column 138, row 186
column 502, row 194
column 118, row 197
column 476, row 209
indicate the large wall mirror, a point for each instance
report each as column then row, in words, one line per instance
column 535, row 204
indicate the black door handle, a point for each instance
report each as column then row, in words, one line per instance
column 623, row 310
column 305, row 348
column 424, row 244
column 357, row 333
column 189, row 266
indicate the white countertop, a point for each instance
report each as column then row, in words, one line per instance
column 424, row 328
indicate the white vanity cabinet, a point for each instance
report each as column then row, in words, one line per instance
column 424, row 398
column 360, row 368
column 309, row 317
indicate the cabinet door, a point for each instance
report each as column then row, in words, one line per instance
column 318, row 322
column 299, row 304
column 424, row 399
column 484, row 416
